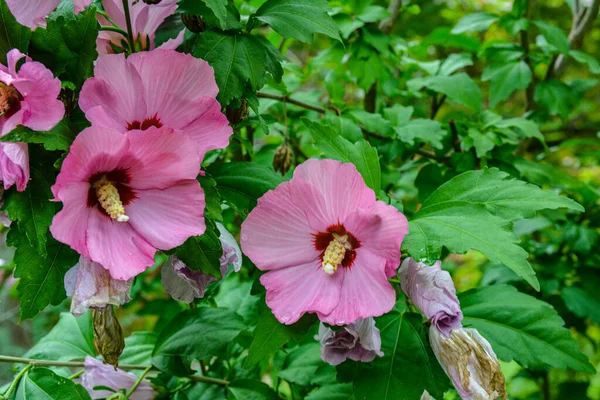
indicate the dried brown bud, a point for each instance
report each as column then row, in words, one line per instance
column 237, row 115
column 283, row 159
column 194, row 23
column 108, row 335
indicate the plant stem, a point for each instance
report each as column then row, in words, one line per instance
column 114, row 29
column 129, row 28
column 287, row 99
column 140, row 379
column 15, row 382
column 77, row 374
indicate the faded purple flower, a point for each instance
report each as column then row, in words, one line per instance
column 185, row 285
column 89, row 284
column 99, row 374
column 431, row 289
column 470, row 362
column 359, row 341
column 426, row 396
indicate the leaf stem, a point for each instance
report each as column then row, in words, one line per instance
column 129, row 28
column 140, row 379
column 106, row 16
column 15, row 382
column 114, row 29
column 77, row 374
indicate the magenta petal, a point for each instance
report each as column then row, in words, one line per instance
column 276, row 234
column 293, row 291
column 365, row 292
column 71, row 223
column 14, row 165
column 167, row 217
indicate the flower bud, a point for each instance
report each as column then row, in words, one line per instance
column 194, row 23
column 98, row 375
column 237, row 115
column 359, row 341
column 470, row 362
column 108, row 335
column 432, row 291
column 283, row 159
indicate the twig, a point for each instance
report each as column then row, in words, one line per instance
column 387, row 24
column 15, row 382
column 437, row 105
column 524, row 36
column 129, row 28
column 287, row 99
column 139, row 380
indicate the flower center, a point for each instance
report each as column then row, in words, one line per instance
column 145, row 124
column 335, row 253
column 337, row 246
column 109, row 199
column 9, row 98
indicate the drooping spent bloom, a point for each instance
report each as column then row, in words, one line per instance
column 33, row 13
column 145, row 20
column 358, row 341
column 470, row 362
column 432, row 291
column 157, row 88
column 426, row 396
column 90, row 285
column 328, row 244
column 28, row 96
column 126, row 195
column 185, row 285
column 98, row 374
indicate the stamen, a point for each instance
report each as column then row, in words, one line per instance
column 8, row 96
column 108, row 197
column 334, row 254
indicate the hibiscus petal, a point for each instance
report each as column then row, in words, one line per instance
column 80, row 5
column 14, row 165
column 70, row 224
column 32, row 13
column 173, row 44
column 166, row 218
column 304, row 288
column 276, row 233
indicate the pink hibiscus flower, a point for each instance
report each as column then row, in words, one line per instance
column 157, row 88
column 28, row 96
column 33, row 13
column 145, row 20
column 126, row 195
column 328, row 245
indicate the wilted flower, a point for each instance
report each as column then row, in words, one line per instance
column 328, row 245
column 28, row 96
column 470, row 362
column 89, row 284
column 108, row 334
column 431, row 289
column 33, row 13
column 145, row 20
column 98, row 374
column 155, row 89
column 359, row 341
column 283, row 159
column 126, row 195
column 185, row 285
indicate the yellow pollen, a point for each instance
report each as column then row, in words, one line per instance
column 108, row 197
column 334, row 254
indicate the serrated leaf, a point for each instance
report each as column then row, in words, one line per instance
column 588, row 59
column 422, row 131
column 239, row 60
column 213, row 209
column 454, row 62
column 505, row 79
column 302, row 363
column 522, row 328
column 361, row 154
column 372, row 122
column 298, row 19
column 246, row 389
column 474, row 23
column 554, row 35
column 202, row 253
column 408, row 366
column 41, row 279
column 138, row 348
column 58, row 138
column 12, row 35
column 528, row 128
column 459, row 88
column 42, row 383
column 70, row 339
column 341, row 391
column 220, row 13
column 555, row 96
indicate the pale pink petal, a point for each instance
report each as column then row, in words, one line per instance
column 117, row 246
column 118, row 88
column 329, row 191
column 97, row 374
column 182, row 283
column 163, row 158
column 70, row 225
column 80, row 5
column 304, row 288
column 150, row 17
column 381, row 229
column 32, row 13
column 14, row 165
column 359, row 341
column 173, row 44
column 365, row 292
column 231, row 250
column 276, row 233
column 114, row 9
column 12, row 59
column 167, row 217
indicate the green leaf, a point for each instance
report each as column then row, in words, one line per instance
column 454, row 62
column 220, row 13
column 483, row 142
column 58, row 138
column 422, row 131
column 198, row 334
column 246, row 389
column 505, row 79
column 241, row 184
column 270, row 336
column 12, row 35
column 213, row 209
column 361, row 154
column 235, row 295
column 68, row 45
column 42, row 383
column 554, row 35
column 302, row 363
column 528, row 128
column 298, row 19
column 522, row 328
column 138, row 348
column 555, row 96
column 372, row 122
column 41, row 279
column 588, row 59
column 340, row 391
column 459, row 88
column 582, row 303
column 202, row 253
column 240, row 60
column 70, row 339
column 408, row 366
column 474, row 23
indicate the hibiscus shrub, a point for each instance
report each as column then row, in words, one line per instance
column 299, row 199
